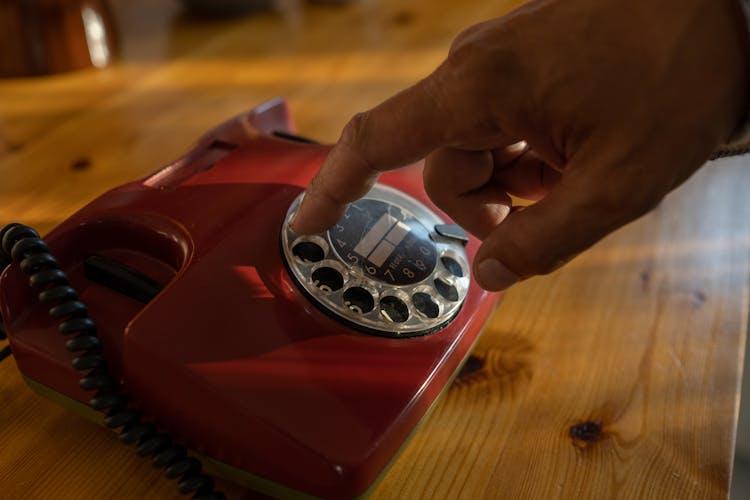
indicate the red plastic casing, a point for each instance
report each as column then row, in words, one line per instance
column 230, row 357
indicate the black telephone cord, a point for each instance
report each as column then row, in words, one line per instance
column 19, row 243
column 5, row 351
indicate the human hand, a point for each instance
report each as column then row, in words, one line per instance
column 617, row 104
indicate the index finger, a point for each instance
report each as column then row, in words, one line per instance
column 400, row 131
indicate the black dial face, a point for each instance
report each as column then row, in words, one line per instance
column 386, row 242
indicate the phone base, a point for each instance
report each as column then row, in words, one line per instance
column 223, row 350
column 233, row 474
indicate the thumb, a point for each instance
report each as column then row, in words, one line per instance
column 578, row 212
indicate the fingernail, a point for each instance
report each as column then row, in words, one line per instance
column 295, row 216
column 518, row 147
column 295, row 226
column 292, row 223
column 492, row 275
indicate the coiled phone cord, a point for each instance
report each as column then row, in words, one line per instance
column 5, row 351
column 23, row 244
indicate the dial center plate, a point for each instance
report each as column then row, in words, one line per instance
column 387, row 242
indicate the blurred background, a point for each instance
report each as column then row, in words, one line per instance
column 189, row 65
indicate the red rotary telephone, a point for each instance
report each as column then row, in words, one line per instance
column 292, row 363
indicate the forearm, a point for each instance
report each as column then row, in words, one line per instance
column 739, row 143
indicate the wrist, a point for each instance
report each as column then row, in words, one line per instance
column 739, row 141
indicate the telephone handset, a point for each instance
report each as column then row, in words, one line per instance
column 294, row 363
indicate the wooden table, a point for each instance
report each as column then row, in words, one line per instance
column 617, row 376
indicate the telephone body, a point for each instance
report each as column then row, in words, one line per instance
column 242, row 353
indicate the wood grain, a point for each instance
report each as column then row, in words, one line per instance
column 616, row 377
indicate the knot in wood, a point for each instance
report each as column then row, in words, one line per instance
column 586, row 433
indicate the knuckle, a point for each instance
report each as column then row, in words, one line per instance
column 464, row 57
column 464, row 37
column 532, row 262
column 553, row 265
column 334, row 197
column 493, row 74
column 549, row 264
column 355, row 143
column 319, row 189
column 526, row 258
column 354, row 130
